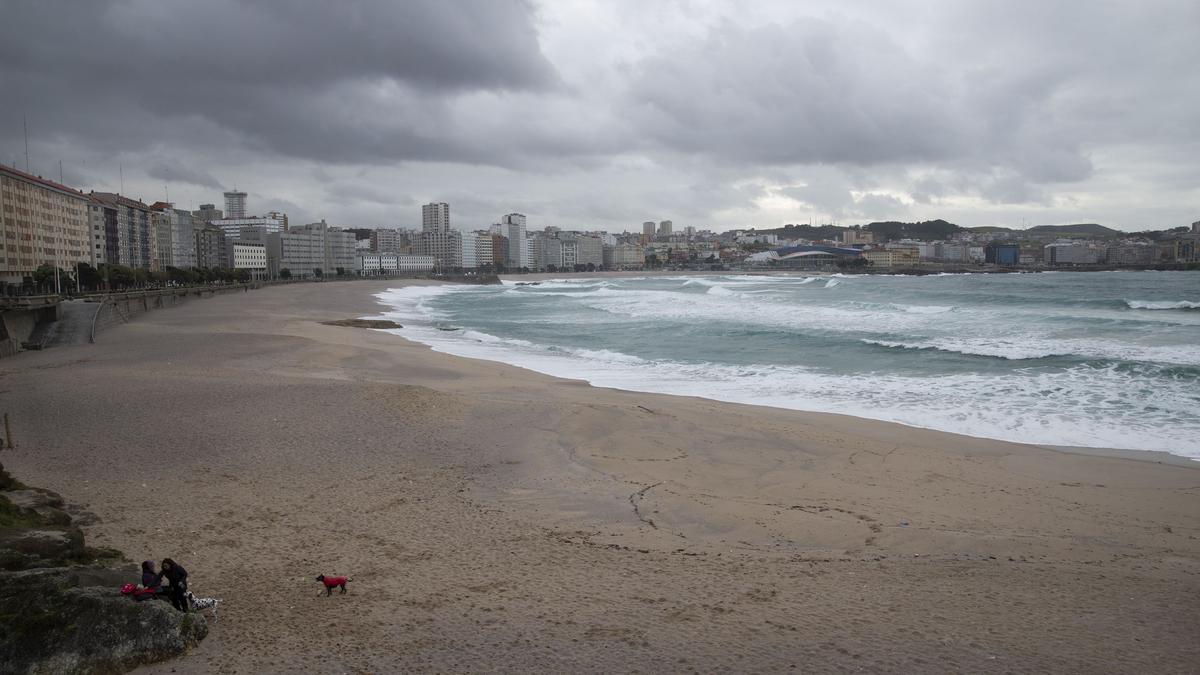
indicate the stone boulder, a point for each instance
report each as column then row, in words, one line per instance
column 42, row 547
column 46, row 504
column 32, row 498
column 74, row 620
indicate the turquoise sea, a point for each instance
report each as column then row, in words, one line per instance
column 1104, row 359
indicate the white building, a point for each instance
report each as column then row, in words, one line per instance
column 249, row 256
column 483, row 249
column 373, row 264
column 470, row 244
column 273, row 222
column 435, row 217
column 438, row 239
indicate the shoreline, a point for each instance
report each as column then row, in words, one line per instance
column 384, row 309
column 496, row 518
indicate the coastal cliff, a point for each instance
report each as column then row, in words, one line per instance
column 61, row 610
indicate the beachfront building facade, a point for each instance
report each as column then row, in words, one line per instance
column 162, row 234
column 272, row 222
column 250, row 256
column 518, row 250
column 41, row 222
column 1072, row 253
column 437, row 239
column 375, row 264
column 890, row 258
column 624, row 256
column 467, row 257
column 484, row 249
column 311, row 250
column 210, row 247
column 385, row 240
column 129, row 234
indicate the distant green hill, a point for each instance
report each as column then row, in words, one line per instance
column 990, row 229
column 806, row 231
column 1088, row 229
column 929, row 229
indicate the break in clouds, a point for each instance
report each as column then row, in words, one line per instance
column 605, row 114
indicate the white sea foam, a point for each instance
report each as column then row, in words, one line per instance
column 925, row 309
column 1141, row 400
column 1147, row 304
column 969, row 404
column 831, row 283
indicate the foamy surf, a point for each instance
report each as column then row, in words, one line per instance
column 1044, row 359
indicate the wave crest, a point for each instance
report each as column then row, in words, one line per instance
column 1161, row 304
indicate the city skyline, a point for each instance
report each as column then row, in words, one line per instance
column 599, row 116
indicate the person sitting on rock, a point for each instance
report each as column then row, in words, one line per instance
column 177, row 583
column 151, row 580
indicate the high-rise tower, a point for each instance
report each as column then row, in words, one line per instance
column 435, row 217
column 235, row 204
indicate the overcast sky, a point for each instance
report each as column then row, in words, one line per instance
column 602, row 114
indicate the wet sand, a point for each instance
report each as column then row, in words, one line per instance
column 494, row 519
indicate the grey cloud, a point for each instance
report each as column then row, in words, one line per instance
column 368, row 81
column 358, row 109
column 168, row 170
column 210, row 45
column 812, row 91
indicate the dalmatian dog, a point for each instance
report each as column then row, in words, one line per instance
column 201, row 604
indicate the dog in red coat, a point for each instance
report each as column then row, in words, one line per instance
column 332, row 583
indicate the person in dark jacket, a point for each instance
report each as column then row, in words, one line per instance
column 177, row 583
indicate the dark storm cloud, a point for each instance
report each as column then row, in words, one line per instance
column 609, row 113
column 336, row 81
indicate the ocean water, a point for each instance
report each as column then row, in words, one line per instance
column 1085, row 359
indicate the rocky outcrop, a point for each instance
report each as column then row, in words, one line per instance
column 74, row 620
column 61, row 608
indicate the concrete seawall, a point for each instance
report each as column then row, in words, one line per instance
column 45, row 321
column 121, row 308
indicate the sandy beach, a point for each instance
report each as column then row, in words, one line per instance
column 497, row 520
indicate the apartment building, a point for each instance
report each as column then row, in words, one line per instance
column 210, row 246
column 126, row 230
column 41, row 222
column 308, row 248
